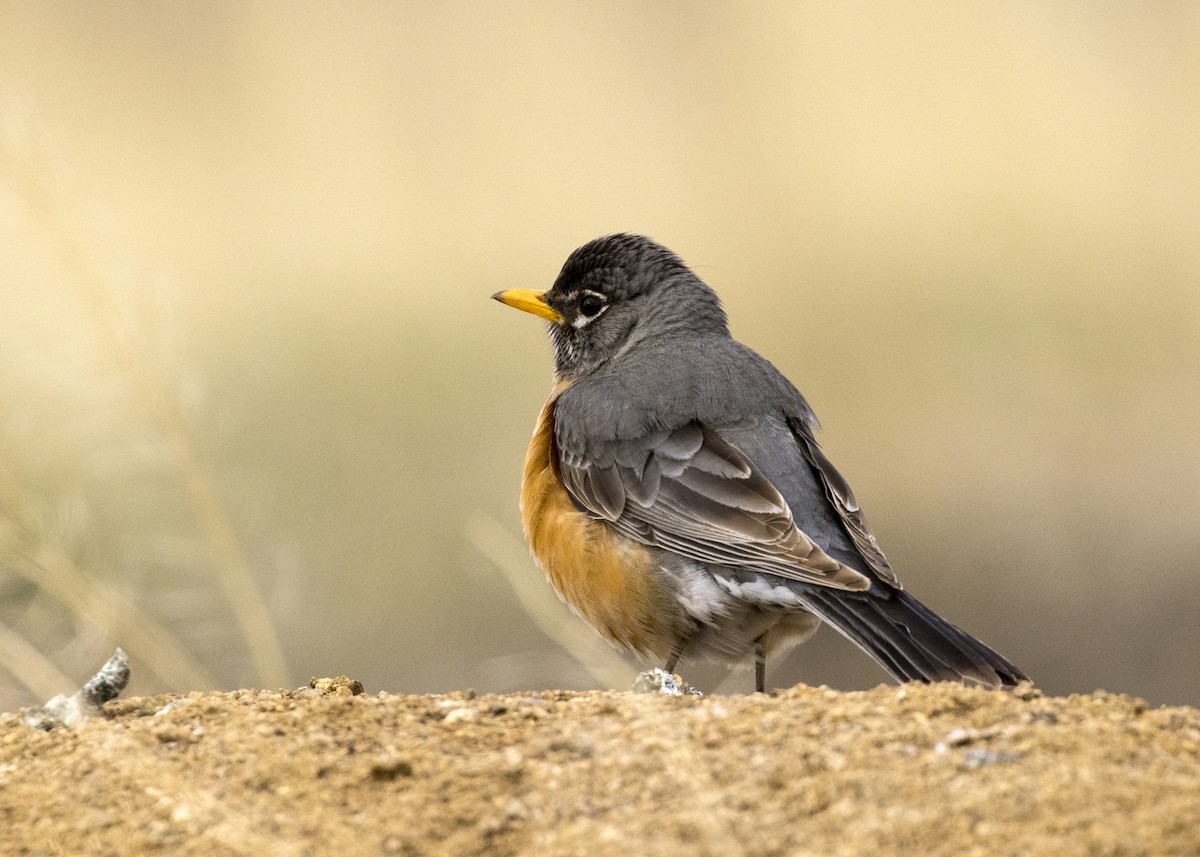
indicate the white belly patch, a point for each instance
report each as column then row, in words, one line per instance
column 760, row 589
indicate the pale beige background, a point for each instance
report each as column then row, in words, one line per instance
column 970, row 232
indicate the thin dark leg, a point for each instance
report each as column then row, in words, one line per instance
column 676, row 654
column 760, row 668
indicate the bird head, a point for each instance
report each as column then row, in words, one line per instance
column 612, row 295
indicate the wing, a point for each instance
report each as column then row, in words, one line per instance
column 843, row 500
column 689, row 491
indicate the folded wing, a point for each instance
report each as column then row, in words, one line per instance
column 689, row 491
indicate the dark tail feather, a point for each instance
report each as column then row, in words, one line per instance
column 909, row 640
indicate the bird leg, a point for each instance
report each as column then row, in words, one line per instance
column 760, row 667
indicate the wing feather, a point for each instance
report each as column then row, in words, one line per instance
column 692, row 492
column 843, row 500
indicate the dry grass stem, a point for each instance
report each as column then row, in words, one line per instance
column 28, row 555
column 112, row 615
column 29, row 666
column 511, row 557
column 128, row 355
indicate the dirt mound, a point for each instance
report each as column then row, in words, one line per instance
column 912, row 770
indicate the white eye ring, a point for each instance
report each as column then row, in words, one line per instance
column 581, row 319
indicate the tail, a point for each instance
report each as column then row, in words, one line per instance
column 909, row 640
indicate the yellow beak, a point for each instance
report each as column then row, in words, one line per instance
column 529, row 300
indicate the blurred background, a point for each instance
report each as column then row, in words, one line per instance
column 259, row 420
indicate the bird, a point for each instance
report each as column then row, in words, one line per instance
column 677, row 500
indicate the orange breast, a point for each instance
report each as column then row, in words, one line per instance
column 606, row 578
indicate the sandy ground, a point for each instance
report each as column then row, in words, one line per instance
column 321, row 770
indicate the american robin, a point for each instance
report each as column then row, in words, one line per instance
column 677, row 500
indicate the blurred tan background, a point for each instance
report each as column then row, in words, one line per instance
column 259, row 420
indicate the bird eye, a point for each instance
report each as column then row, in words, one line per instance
column 590, row 305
